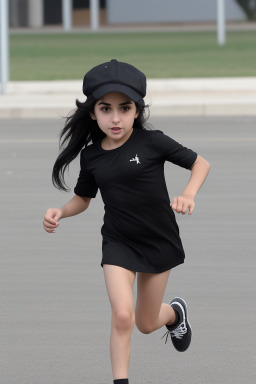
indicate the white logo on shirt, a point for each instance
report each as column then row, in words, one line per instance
column 136, row 159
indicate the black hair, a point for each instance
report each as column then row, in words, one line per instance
column 79, row 130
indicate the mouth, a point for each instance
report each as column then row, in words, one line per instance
column 115, row 129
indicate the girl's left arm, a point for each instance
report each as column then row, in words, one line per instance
column 199, row 172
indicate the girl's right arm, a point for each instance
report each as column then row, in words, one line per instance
column 75, row 206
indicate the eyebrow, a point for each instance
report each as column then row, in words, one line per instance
column 126, row 102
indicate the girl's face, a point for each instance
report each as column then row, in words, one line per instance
column 115, row 114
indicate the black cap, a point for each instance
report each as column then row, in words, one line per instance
column 115, row 76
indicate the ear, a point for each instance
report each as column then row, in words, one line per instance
column 93, row 117
column 137, row 114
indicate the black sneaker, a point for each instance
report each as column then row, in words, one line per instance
column 180, row 333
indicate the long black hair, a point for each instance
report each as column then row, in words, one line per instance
column 79, row 130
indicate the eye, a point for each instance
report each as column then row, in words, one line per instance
column 105, row 109
column 125, row 108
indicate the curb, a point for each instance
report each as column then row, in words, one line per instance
column 166, row 97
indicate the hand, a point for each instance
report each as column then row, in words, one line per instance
column 183, row 203
column 51, row 219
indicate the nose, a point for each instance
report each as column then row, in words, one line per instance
column 115, row 117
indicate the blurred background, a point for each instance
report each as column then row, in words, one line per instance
column 24, row 13
column 171, row 41
column 185, row 45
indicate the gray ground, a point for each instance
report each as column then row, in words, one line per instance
column 55, row 314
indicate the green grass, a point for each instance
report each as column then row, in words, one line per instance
column 158, row 55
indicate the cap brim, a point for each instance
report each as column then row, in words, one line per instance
column 107, row 88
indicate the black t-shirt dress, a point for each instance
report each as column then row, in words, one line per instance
column 140, row 232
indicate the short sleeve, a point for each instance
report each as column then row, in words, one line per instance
column 168, row 149
column 86, row 185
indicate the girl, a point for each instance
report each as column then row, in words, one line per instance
column 140, row 234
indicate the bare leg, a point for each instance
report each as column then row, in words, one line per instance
column 151, row 313
column 119, row 283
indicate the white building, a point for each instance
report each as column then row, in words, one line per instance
column 169, row 11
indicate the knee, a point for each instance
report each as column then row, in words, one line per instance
column 145, row 327
column 123, row 320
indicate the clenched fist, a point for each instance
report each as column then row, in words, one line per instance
column 51, row 219
column 182, row 204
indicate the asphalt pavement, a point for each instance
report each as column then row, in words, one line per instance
column 55, row 313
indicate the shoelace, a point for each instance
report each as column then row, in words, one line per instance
column 178, row 332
